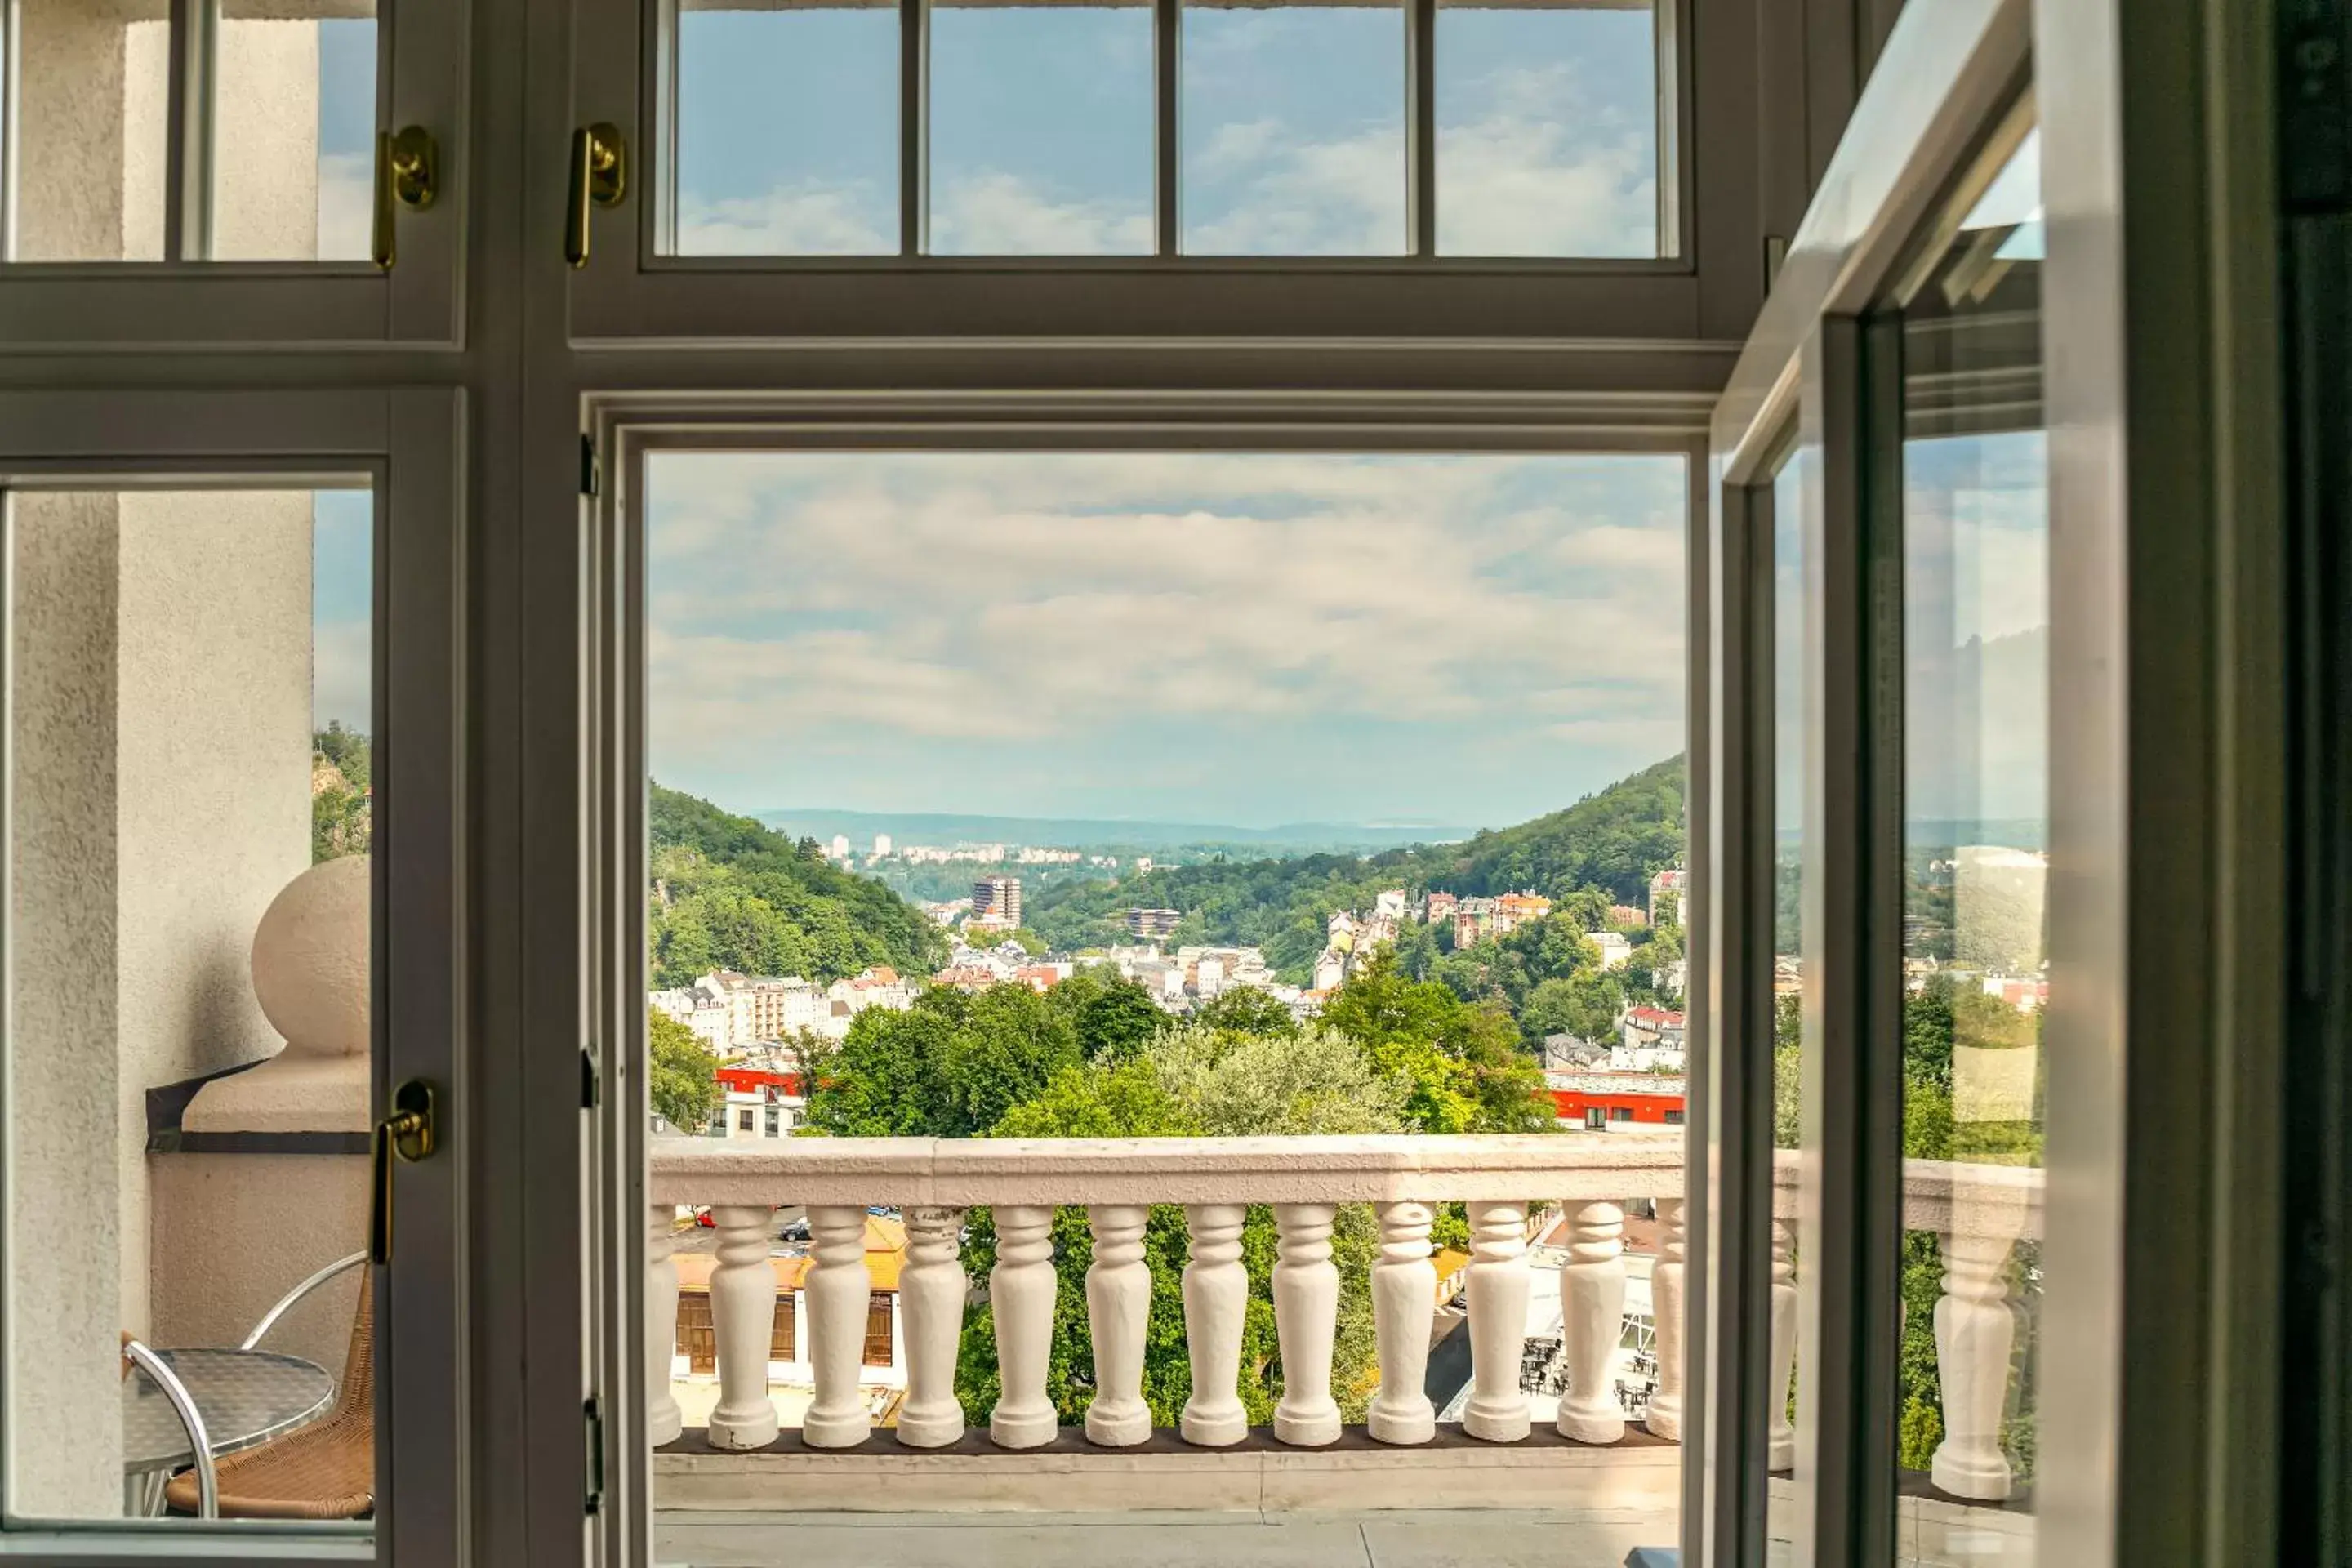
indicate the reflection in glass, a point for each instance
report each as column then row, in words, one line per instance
column 1976, row 690
column 1547, row 130
column 192, row 809
column 294, row 132
column 1292, row 130
column 90, row 127
column 1041, row 132
column 1792, row 721
column 788, row 131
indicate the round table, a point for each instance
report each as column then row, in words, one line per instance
column 244, row 1396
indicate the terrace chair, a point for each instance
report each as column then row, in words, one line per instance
column 323, row 1471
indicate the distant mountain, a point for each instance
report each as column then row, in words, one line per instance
column 1098, row 833
column 1609, row 843
column 729, row 893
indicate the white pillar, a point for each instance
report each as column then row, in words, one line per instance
column 1306, row 1316
column 1592, row 1314
column 1021, row 1295
column 1405, row 1301
column 1216, row 1304
column 835, row 1292
column 1497, row 1409
column 743, row 1321
column 1779, row 1432
column 930, row 1302
column 1118, row 1311
column 662, row 1419
column 1664, row 1418
column 1974, row 1334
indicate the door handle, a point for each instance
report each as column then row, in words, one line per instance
column 600, row 177
column 412, row 1132
column 407, row 173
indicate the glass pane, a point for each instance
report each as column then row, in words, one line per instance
column 1041, row 130
column 189, row 1035
column 1793, row 720
column 923, row 860
column 1976, row 687
column 90, row 127
column 1547, row 130
column 788, row 131
column 294, row 129
column 1292, row 130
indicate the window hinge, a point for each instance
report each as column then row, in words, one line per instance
column 590, row 1080
column 592, row 472
column 592, row 1420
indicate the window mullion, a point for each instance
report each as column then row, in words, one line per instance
column 914, row 126
column 1167, row 32
column 1421, row 125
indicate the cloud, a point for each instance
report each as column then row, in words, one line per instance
column 996, row 214
column 810, row 217
column 346, row 205
column 340, row 687
column 1059, row 605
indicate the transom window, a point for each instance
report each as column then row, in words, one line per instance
column 1164, row 128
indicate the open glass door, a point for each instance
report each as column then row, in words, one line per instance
column 232, row 1032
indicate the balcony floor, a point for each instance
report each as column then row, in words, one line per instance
column 1390, row 1538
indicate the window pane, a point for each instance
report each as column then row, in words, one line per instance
column 1792, row 723
column 1976, row 683
column 788, row 131
column 1547, row 130
column 1292, row 130
column 1041, row 130
column 191, row 893
column 89, row 119
column 294, row 130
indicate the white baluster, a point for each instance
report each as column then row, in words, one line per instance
column 1306, row 1316
column 743, row 1321
column 1118, row 1311
column 662, row 1419
column 1497, row 1407
column 1021, row 1295
column 836, row 1292
column 1216, row 1304
column 1404, row 1302
column 1974, row 1334
column 1592, row 1314
column 930, row 1307
column 1665, row 1417
column 1779, row 1432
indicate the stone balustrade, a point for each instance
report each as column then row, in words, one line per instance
column 1979, row 1211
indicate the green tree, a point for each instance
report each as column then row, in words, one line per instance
column 682, row 1081
column 341, row 815
column 1248, row 1010
column 951, row 1066
column 1464, row 1063
column 1113, row 1018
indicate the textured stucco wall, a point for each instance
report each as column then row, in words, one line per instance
column 292, row 1214
column 163, row 699
column 266, row 177
column 91, row 75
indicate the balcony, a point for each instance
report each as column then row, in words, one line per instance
column 1585, row 1485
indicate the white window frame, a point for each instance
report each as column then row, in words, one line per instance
column 405, row 444
column 52, row 307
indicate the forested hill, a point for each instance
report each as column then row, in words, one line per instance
column 1607, row 844
column 731, row 894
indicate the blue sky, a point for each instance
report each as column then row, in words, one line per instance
column 1246, row 639
column 342, row 575
column 1291, row 131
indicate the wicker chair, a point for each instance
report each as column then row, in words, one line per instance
column 324, row 1470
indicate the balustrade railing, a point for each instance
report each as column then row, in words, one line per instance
column 1980, row 1212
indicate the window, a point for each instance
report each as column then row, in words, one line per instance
column 743, row 1119
column 1056, row 131
column 773, row 1127
column 879, row 1314
column 783, row 1342
column 1620, row 1113
column 1673, row 1119
column 283, row 170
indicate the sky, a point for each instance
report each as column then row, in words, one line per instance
column 1291, row 131
column 342, row 606
column 1243, row 639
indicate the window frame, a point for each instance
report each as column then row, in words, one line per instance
column 1703, row 293
column 406, row 443
column 54, row 307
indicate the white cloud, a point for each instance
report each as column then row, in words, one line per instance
column 340, row 687
column 346, row 207
column 994, row 214
column 809, row 219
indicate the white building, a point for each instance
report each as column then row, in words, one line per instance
column 1614, row 948
column 840, row 846
column 881, row 847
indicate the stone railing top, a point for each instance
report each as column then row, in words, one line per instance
column 961, row 1173
column 1950, row 1197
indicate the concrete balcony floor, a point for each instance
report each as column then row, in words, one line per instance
column 1386, row 1538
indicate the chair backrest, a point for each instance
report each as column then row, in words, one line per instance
column 357, row 1394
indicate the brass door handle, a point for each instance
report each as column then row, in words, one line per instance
column 407, row 173
column 599, row 178
column 412, row 1132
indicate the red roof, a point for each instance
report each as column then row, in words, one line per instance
column 1654, row 1015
